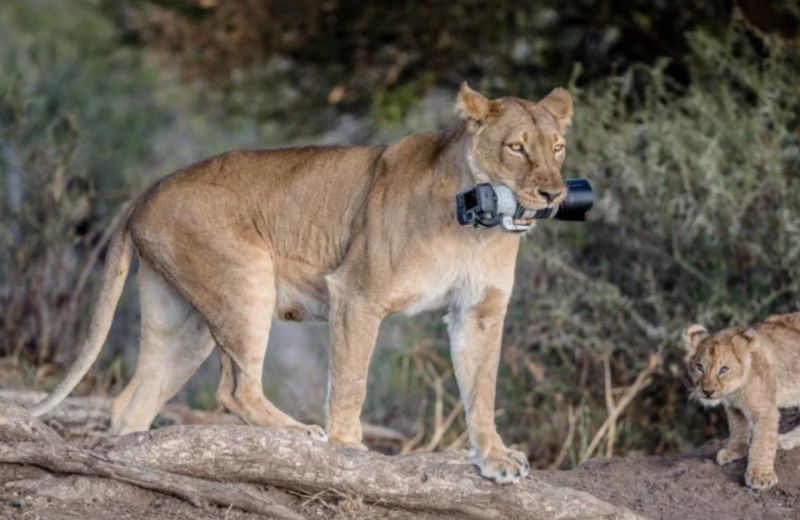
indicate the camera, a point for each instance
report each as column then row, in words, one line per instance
column 487, row 206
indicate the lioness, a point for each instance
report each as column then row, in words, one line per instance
column 753, row 373
column 344, row 233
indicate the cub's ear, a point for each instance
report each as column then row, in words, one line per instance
column 559, row 104
column 692, row 337
column 750, row 340
column 471, row 105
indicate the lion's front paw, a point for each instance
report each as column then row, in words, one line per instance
column 347, row 443
column 503, row 465
column 760, row 479
column 726, row 456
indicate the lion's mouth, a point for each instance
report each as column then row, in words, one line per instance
column 536, row 202
column 708, row 401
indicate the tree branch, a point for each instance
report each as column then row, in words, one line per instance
column 226, row 464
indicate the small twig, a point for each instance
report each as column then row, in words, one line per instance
column 414, row 441
column 610, row 406
column 641, row 382
column 461, row 441
column 71, row 313
column 443, row 428
column 572, row 420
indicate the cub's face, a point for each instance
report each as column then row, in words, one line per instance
column 519, row 143
column 718, row 364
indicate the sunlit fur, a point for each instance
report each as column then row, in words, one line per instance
column 347, row 234
column 728, row 348
column 752, row 373
column 519, row 143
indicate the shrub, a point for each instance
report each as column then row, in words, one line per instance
column 75, row 117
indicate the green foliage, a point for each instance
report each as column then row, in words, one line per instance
column 75, row 119
column 375, row 55
column 696, row 221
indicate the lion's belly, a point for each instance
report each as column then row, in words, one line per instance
column 300, row 301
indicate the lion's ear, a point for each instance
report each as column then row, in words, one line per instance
column 472, row 105
column 692, row 337
column 559, row 104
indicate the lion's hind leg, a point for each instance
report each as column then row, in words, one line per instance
column 242, row 335
column 238, row 308
column 175, row 341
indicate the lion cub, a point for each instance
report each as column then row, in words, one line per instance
column 752, row 372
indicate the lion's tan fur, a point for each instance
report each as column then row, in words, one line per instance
column 760, row 377
column 349, row 234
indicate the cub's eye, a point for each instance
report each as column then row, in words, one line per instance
column 559, row 147
column 516, row 148
column 699, row 367
column 722, row 370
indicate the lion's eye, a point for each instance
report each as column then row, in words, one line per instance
column 516, row 148
column 722, row 370
column 559, row 147
column 699, row 367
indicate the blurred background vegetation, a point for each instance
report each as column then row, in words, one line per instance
column 687, row 123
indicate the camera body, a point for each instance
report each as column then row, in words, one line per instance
column 487, row 206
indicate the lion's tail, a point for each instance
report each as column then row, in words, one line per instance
column 118, row 259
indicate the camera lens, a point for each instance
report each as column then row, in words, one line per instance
column 578, row 202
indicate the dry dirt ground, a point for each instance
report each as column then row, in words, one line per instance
column 687, row 487
column 679, row 487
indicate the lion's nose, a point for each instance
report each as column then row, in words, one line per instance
column 549, row 195
column 708, row 393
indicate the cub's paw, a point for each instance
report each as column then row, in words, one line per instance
column 503, row 465
column 788, row 441
column 726, row 456
column 760, row 479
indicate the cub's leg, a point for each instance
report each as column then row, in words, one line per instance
column 790, row 439
column 761, row 460
column 175, row 341
column 475, row 338
column 736, row 447
column 353, row 328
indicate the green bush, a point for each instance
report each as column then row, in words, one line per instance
column 75, row 119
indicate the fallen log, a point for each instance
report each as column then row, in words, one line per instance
column 90, row 416
column 63, row 458
column 226, row 464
